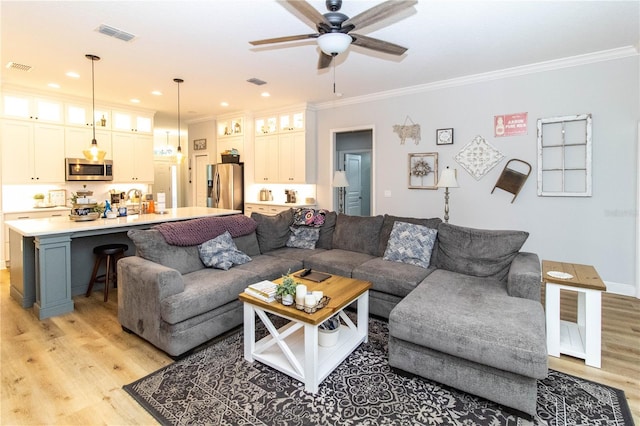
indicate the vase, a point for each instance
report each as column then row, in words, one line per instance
column 287, row 299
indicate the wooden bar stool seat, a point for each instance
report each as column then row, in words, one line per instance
column 110, row 253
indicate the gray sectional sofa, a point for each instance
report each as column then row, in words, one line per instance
column 470, row 317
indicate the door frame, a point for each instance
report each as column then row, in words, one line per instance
column 332, row 161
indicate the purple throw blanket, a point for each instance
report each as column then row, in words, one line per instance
column 197, row 231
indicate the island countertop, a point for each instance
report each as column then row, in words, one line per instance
column 64, row 225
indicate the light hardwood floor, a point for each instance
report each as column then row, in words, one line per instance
column 69, row 370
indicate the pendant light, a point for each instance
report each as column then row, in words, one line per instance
column 179, row 152
column 94, row 153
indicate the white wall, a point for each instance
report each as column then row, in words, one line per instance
column 597, row 230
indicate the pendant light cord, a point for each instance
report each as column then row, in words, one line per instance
column 93, row 99
column 179, row 80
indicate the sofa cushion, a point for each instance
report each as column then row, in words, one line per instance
column 387, row 226
column 248, row 244
column 303, row 237
column 478, row 252
column 325, row 241
column 151, row 245
column 205, row 290
column 221, row 253
column 394, row 278
column 474, row 318
column 357, row 233
column 268, row 267
column 294, row 253
column 337, row 261
column 273, row 231
column 411, row 244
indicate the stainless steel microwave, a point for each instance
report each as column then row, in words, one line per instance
column 83, row 169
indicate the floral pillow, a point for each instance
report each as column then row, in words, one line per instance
column 309, row 217
column 303, row 237
column 410, row 243
column 221, row 253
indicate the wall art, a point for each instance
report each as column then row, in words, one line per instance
column 444, row 137
column 423, row 170
column 478, row 157
column 510, row 124
column 199, row 144
column 407, row 131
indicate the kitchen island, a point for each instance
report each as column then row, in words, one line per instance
column 52, row 258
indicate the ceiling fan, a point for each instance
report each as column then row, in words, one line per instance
column 334, row 34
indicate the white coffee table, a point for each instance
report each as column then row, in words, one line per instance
column 293, row 349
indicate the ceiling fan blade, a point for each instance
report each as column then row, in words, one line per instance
column 377, row 44
column 308, row 11
column 324, row 60
column 283, row 39
column 379, row 12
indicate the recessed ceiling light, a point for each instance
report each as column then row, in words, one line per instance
column 156, row 93
column 224, row 104
column 54, row 85
column 73, row 74
column 135, row 101
column 265, row 94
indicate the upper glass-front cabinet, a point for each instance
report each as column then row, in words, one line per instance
column 266, row 125
column 292, row 122
column 80, row 115
column 131, row 122
column 34, row 108
column 233, row 127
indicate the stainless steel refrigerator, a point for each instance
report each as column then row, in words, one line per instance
column 225, row 186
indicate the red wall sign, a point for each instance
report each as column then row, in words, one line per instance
column 510, row 124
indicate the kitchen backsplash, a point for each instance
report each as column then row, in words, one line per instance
column 20, row 197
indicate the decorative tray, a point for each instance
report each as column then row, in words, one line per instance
column 84, row 217
column 309, row 309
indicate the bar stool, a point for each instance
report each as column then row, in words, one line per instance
column 110, row 252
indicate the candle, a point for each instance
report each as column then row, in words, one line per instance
column 301, row 292
column 318, row 295
column 309, row 300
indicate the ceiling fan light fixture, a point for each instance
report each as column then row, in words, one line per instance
column 334, row 43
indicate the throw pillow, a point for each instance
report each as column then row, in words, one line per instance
column 357, row 233
column 410, row 243
column 151, row 245
column 308, row 217
column 273, row 231
column 303, row 237
column 478, row 252
column 221, row 253
column 387, row 226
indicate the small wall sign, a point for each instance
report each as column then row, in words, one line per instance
column 510, row 124
column 199, row 144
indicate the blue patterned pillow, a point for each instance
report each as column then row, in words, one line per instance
column 410, row 243
column 221, row 253
column 303, row 237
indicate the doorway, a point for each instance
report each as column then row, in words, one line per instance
column 201, row 162
column 165, row 180
column 354, row 155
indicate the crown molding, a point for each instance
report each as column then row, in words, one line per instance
column 556, row 64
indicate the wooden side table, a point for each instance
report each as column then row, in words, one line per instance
column 580, row 339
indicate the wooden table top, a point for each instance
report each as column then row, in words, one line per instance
column 584, row 276
column 341, row 290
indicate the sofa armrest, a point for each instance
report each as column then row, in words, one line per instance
column 142, row 285
column 524, row 279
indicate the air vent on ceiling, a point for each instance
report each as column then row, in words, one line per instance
column 256, row 81
column 114, row 32
column 19, row 67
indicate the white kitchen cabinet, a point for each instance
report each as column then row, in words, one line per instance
column 28, row 107
column 44, row 213
column 132, row 158
column 80, row 115
column 78, row 139
column 230, row 127
column 291, row 158
column 128, row 121
column 291, row 121
column 266, row 159
column 34, row 152
column 266, row 125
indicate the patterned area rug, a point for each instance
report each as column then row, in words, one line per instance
column 216, row 386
